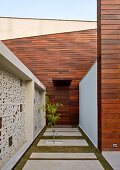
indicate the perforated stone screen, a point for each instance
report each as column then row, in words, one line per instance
column 12, row 115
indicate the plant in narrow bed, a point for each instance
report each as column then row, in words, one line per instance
column 52, row 114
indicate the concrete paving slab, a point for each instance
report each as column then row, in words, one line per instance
column 64, row 129
column 62, row 133
column 62, row 142
column 64, row 155
column 63, row 165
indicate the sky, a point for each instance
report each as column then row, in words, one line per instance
column 50, row 9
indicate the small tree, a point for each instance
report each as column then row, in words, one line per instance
column 51, row 113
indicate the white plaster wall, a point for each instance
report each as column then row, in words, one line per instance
column 29, row 110
column 38, row 115
column 42, row 113
column 88, row 105
column 11, row 28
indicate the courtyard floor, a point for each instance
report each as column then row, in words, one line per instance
column 71, row 150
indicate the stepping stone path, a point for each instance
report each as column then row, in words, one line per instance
column 54, row 159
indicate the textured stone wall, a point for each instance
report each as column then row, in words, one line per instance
column 12, row 115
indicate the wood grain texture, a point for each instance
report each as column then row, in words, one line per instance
column 61, row 56
column 109, row 73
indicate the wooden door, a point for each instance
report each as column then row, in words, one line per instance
column 62, row 95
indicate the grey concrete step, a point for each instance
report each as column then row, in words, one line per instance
column 58, row 133
column 63, row 165
column 63, row 155
column 63, row 129
column 62, row 142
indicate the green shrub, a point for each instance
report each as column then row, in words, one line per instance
column 52, row 114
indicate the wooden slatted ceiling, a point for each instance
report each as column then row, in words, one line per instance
column 64, row 55
column 110, row 72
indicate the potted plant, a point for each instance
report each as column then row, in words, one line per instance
column 52, row 114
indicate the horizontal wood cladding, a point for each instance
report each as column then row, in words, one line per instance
column 61, row 56
column 109, row 2
column 109, row 103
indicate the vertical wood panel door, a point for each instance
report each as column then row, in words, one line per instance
column 62, row 95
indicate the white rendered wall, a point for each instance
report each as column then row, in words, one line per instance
column 38, row 115
column 11, row 28
column 88, row 105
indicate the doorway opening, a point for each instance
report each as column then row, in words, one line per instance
column 62, row 95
